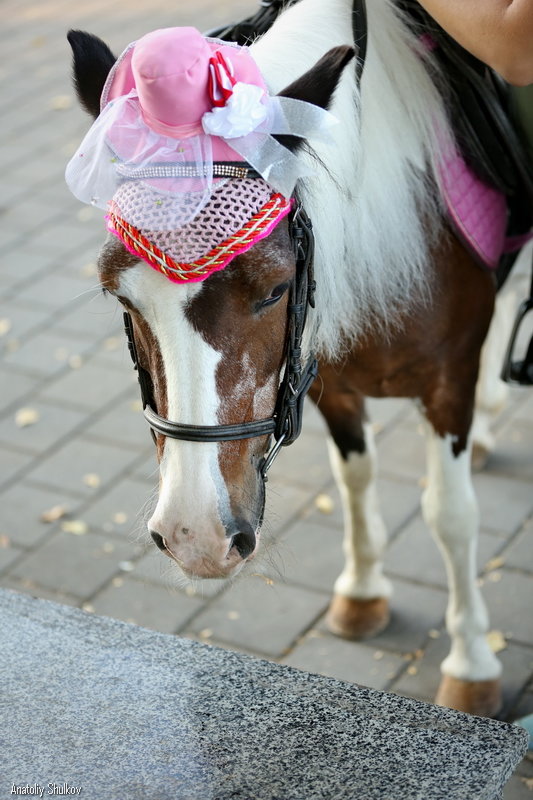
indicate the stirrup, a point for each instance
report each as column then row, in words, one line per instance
column 516, row 372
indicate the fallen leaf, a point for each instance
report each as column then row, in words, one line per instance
column 25, row 417
column 75, row 526
column 88, row 608
column 92, row 480
column 89, row 270
column 412, row 670
column 233, row 615
column 53, row 514
column 5, row 326
column 528, row 782
column 85, row 214
column 496, row 641
column 494, row 577
column 61, row 102
column 5, row 541
column 206, row 633
column 495, row 563
column 118, row 582
column 12, row 345
column 126, row 566
column 111, row 343
column 434, row 633
column 75, row 362
column 120, row 518
column 268, row 581
column 324, row 503
column 378, row 655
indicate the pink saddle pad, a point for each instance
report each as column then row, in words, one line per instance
column 478, row 212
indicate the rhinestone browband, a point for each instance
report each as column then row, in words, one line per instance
column 221, row 169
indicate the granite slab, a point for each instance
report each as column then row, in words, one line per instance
column 97, row 708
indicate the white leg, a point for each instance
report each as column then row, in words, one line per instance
column 450, row 509
column 491, row 391
column 365, row 536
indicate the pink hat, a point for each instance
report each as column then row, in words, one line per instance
column 185, row 127
column 172, row 72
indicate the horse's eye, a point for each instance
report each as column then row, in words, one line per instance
column 275, row 295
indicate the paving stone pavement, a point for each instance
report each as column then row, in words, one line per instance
column 81, row 451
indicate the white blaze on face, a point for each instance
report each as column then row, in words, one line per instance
column 193, row 499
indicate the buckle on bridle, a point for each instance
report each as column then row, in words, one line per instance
column 268, row 459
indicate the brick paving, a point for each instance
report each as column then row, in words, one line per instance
column 88, row 451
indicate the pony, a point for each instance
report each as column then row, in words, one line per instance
column 402, row 309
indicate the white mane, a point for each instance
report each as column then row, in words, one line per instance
column 372, row 206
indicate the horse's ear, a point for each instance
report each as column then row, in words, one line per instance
column 92, row 60
column 317, row 85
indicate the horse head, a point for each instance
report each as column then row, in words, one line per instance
column 211, row 344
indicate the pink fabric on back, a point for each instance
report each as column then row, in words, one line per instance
column 477, row 210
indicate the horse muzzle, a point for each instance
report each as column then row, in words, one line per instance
column 210, row 557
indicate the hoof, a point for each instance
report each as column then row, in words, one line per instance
column 357, row 619
column 482, row 698
column 480, row 456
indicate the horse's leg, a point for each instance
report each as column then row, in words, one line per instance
column 359, row 607
column 471, row 670
column 491, row 391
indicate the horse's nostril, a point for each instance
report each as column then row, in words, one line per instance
column 160, row 542
column 244, row 542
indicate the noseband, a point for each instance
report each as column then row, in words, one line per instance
column 285, row 423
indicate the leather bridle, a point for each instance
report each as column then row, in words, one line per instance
column 285, row 423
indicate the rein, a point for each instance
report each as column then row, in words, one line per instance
column 286, row 422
